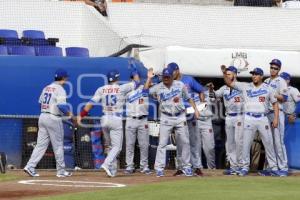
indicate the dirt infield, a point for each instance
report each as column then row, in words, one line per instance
column 43, row 185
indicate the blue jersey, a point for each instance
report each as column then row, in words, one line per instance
column 193, row 88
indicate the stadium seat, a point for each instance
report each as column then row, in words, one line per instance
column 3, row 50
column 22, row 50
column 6, row 33
column 48, row 51
column 9, row 37
column 77, row 52
column 33, row 34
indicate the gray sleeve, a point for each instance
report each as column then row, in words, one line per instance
column 240, row 85
column 61, row 96
column 128, row 87
column 283, row 87
column 220, row 92
column 97, row 96
column 272, row 96
column 295, row 94
column 153, row 90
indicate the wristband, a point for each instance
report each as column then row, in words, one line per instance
column 83, row 113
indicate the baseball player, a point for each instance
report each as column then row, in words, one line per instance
column 195, row 90
column 171, row 95
column 233, row 101
column 280, row 92
column 257, row 97
column 289, row 106
column 207, row 136
column 112, row 98
column 53, row 107
column 137, row 125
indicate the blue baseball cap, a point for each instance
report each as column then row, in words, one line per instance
column 232, row 69
column 167, row 72
column 285, row 76
column 173, row 66
column 258, row 71
column 133, row 73
column 276, row 62
column 113, row 75
column 61, row 73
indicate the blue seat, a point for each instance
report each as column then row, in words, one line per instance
column 77, row 52
column 7, row 33
column 49, row 51
column 33, row 34
column 22, row 50
column 3, row 50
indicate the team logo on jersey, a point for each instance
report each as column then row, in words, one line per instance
column 239, row 60
column 257, row 93
column 167, row 96
column 267, row 127
column 210, row 130
column 239, row 124
column 232, row 95
column 146, row 126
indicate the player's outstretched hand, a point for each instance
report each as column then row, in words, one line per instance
column 223, row 68
column 291, row 119
column 150, row 73
column 210, row 86
column 275, row 123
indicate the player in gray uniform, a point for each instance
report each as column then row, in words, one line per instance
column 280, row 92
column 170, row 95
column 195, row 90
column 257, row 97
column 137, row 125
column 289, row 106
column 53, row 107
column 207, row 136
column 233, row 101
column 112, row 99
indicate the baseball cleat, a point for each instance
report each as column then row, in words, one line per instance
column 31, row 172
column 230, row 172
column 243, row 172
column 108, row 172
column 129, row 171
column 198, row 172
column 160, row 173
column 146, row 171
column 265, row 172
column 64, row 174
column 188, row 171
column 283, row 173
column 178, row 173
column 275, row 173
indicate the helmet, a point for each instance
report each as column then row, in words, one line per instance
column 113, row 75
column 60, row 73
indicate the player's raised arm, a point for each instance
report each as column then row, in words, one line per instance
column 150, row 75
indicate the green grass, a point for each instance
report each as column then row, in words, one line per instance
column 7, row 177
column 221, row 188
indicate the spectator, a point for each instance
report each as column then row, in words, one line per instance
column 100, row 5
column 258, row 3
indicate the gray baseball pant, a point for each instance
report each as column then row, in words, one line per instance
column 207, row 140
column 137, row 128
column 50, row 129
column 167, row 124
column 234, row 126
column 278, row 137
column 251, row 126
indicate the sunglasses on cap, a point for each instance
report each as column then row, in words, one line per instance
column 274, row 68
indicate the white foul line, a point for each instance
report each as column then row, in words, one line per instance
column 81, row 184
